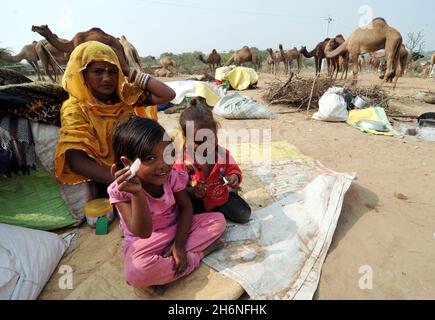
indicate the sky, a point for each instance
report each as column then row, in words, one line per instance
column 177, row 26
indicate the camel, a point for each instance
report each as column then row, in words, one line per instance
column 94, row 34
column 167, row 62
column 47, row 53
column 379, row 36
column 162, row 72
column 275, row 58
column 27, row 53
column 241, row 56
column 318, row 53
column 405, row 59
column 432, row 60
column 374, row 62
column 130, row 52
column 333, row 44
column 213, row 60
column 289, row 56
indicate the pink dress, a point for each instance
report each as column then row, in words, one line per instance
column 144, row 264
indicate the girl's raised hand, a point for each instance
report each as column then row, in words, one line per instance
column 132, row 186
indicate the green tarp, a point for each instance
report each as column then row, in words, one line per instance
column 33, row 202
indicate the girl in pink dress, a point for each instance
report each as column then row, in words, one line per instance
column 163, row 240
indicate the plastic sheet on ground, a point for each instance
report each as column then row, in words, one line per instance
column 281, row 251
column 372, row 113
column 98, row 260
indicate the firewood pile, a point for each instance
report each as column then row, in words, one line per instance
column 296, row 92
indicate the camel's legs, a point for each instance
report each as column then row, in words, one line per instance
column 391, row 56
column 45, row 66
column 319, row 66
column 35, row 67
column 399, row 72
column 353, row 58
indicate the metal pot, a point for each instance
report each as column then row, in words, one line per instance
column 372, row 125
column 360, row 102
column 427, row 119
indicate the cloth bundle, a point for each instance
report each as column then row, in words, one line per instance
column 17, row 148
column 35, row 101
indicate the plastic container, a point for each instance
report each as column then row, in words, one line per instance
column 96, row 209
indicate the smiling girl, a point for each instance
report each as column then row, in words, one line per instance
column 163, row 240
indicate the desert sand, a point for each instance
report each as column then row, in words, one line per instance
column 388, row 216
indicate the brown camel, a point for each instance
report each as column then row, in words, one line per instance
column 405, row 60
column 46, row 53
column 130, row 52
column 213, row 60
column 378, row 36
column 162, row 72
column 241, row 56
column 374, row 62
column 275, row 58
column 167, row 62
column 318, row 53
column 289, row 56
column 94, row 34
column 432, row 60
column 333, row 44
column 27, row 53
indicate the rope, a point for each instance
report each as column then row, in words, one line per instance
column 53, row 59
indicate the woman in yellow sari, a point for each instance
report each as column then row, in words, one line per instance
column 99, row 97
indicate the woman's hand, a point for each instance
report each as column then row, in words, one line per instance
column 180, row 258
column 132, row 186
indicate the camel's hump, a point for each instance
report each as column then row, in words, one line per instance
column 96, row 29
column 380, row 19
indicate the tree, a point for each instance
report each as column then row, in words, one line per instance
column 415, row 42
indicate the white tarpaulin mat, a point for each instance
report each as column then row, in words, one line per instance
column 279, row 255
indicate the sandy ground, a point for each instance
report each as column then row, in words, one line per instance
column 394, row 237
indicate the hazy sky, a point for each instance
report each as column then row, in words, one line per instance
column 187, row 25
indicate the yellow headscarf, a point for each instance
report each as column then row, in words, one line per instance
column 88, row 124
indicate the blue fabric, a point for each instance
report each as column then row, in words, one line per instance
column 162, row 107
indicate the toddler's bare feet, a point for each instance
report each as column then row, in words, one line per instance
column 219, row 244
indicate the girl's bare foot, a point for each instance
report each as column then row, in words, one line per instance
column 219, row 244
column 153, row 290
column 159, row 290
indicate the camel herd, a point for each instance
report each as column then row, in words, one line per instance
column 340, row 53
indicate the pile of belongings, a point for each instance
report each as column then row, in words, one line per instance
column 35, row 101
column 188, row 89
column 17, row 148
column 339, row 105
column 237, row 106
column 29, row 129
column 239, row 78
